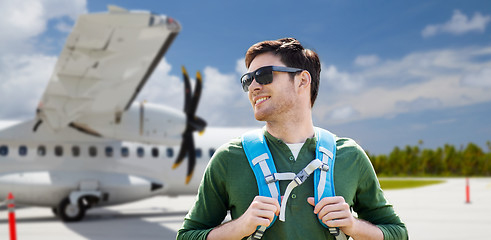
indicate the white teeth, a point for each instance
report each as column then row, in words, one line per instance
column 261, row 100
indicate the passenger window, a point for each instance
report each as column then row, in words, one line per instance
column 109, row 151
column 58, row 151
column 22, row 150
column 125, row 152
column 155, row 152
column 41, row 151
column 140, row 152
column 92, row 151
column 75, row 151
column 4, row 150
column 198, row 153
column 170, row 152
column 211, row 151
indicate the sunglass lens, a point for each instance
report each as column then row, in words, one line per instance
column 246, row 81
column 264, row 76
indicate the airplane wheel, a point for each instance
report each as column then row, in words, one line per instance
column 69, row 212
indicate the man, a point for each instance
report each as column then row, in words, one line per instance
column 284, row 101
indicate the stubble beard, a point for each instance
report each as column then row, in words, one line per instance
column 275, row 111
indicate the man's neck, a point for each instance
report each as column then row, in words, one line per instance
column 291, row 131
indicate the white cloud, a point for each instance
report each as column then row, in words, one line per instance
column 430, row 30
column 343, row 113
column 480, row 78
column 23, row 81
column 366, row 60
column 64, row 27
column 225, row 85
column 240, row 67
column 341, row 81
column 418, row 104
column 223, row 100
column 63, row 8
column 425, row 80
column 163, row 88
column 23, row 20
column 458, row 24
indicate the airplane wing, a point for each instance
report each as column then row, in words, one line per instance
column 104, row 64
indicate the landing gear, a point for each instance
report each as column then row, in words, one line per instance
column 69, row 212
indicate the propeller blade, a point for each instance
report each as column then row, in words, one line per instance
column 187, row 90
column 182, row 152
column 191, row 159
column 197, row 94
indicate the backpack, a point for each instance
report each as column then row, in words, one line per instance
column 262, row 164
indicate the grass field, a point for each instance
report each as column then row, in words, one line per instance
column 388, row 184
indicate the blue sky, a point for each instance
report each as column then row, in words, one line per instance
column 394, row 72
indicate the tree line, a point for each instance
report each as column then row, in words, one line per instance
column 470, row 160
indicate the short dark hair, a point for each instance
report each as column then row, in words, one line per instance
column 292, row 54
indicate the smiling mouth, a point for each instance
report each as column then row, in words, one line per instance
column 260, row 100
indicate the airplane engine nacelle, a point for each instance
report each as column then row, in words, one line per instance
column 142, row 122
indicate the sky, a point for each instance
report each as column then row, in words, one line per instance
column 393, row 72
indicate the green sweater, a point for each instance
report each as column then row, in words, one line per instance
column 229, row 185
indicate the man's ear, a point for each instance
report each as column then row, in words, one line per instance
column 305, row 79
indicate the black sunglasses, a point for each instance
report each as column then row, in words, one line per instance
column 264, row 75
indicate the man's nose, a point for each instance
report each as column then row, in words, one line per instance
column 254, row 85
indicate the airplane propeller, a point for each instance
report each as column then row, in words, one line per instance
column 193, row 124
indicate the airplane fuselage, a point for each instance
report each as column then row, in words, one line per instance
column 44, row 167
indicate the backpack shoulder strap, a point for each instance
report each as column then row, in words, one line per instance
column 326, row 152
column 324, row 177
column 261, row 162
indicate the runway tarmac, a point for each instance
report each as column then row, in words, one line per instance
column 440, row 212
column 432, row 212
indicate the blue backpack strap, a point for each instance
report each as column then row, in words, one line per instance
column 324, row 178
column 261, row 162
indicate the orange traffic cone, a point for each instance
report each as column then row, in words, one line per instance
column 11, row 208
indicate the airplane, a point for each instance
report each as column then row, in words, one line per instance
column 89, row 143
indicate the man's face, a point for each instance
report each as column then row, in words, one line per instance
column 274, row 101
